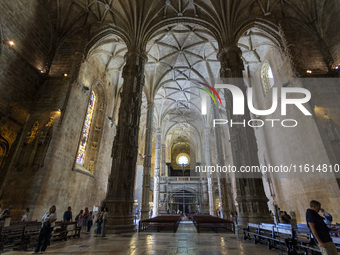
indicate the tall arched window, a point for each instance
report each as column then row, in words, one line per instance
column 86, row 130
column 267, row 77
column 90, row 137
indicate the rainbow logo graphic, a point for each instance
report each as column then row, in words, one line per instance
column 204, row 99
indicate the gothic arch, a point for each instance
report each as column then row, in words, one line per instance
column 103, row 33
column 269, row 29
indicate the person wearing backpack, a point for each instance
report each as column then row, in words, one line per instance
column 48, row 223
column 328, row 218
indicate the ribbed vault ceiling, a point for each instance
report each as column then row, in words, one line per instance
column 182, row 39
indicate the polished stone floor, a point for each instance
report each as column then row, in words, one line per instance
column 185, row 241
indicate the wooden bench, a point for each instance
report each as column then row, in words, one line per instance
column 24, row 235
column 11, row 237
column 251, row 229
column 274, row 236
column 160, row 222
column 284, row 237
column 305, row 243
column 73, row 230
column 207, row 221
column 59, row 232
column 30, row 235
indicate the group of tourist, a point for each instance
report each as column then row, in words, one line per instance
column 84, row 220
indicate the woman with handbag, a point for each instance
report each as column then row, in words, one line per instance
column 48, row 223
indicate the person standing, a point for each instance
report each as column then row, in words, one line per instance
column 67, row 217
column 48, row 223
column 278, row 215
column 85, row 219
column 235, row 215
column 79, row 218
column 319, row 229
column 26, row 215
column 105, row 221
column 99, row 221
column 231, row 216
column 90, row 222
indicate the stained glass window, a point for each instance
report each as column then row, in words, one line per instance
column 267, row 77
column 86, row 130
column 183, row 160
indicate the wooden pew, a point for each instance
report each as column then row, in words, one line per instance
column 24, row 235
column 160, row 222
column 207, row 221
column 11, row 237
column 274, row 236
column 284, row 237
column 73, row 229
column 251, row 229
column 30, row 235
column 305, row 243
column 59, row 232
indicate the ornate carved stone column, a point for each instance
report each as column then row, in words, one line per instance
column 251, row 197
column 163, row 161
column 157, row 172
column 147, row 162
column 163, row 198
column 221, row 180
column 204, row 197
column 212, row 209
column 120, row 194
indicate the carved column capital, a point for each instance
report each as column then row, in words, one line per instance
column 231, row 62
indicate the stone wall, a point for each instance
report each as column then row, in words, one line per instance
column 26, row 24
column 300, row 145
column 42, row 165
column 82, row 189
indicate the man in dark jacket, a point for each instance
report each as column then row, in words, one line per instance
column 67, row 215
column 319, row 229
